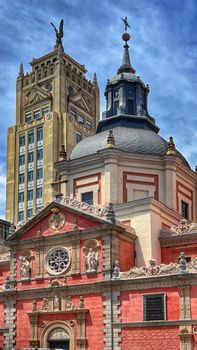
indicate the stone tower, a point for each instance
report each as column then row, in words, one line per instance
column 55, row 105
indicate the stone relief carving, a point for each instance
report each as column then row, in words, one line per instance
column 74, row 203
column 152, row 270
column 155, row 270
column 45, row 304
column 91, row 255
column 56, row 220
column 184, row 227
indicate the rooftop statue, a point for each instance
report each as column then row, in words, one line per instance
column 59, row 35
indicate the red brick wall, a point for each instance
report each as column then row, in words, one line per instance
column 171, row 254
column 4, row 272
column 1, row 315
column 126, row 254
column 150, row 338
column 132, row 304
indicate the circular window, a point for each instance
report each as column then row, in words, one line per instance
column 57, row 261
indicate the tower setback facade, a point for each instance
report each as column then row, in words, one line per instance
column 55, row 105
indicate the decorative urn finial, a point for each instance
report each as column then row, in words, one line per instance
column 62, row 153
column 171, row 150
column 110, row 139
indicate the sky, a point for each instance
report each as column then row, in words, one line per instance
column 163, row 51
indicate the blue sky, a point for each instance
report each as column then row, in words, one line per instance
column 163, row 52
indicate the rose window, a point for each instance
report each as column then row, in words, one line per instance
column 57, row 261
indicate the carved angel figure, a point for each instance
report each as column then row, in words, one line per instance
column 24, row 267
column 59, row 34
column 91, row 260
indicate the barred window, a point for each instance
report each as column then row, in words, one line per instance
column 154, row 307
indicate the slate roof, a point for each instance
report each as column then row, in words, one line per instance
column 131, row 140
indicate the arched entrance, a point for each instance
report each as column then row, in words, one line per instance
column 58, row 335
column 58, row 339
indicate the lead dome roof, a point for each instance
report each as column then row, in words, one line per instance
column 132, row 140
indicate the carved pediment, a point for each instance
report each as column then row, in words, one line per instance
column 83, row 102
column 36, row 95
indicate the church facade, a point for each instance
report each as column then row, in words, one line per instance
column 109, row 263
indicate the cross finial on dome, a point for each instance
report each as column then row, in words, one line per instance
column 126, row 63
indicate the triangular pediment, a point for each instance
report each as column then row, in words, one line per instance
column 36, row 95
column 82, row 102
column 56, row 218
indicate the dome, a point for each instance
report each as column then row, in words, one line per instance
column 133, row 140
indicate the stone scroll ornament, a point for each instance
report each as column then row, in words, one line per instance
column 184, row 227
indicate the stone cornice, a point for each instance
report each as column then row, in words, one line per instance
column 167, row 239
column 146, row 324
column 168, row 281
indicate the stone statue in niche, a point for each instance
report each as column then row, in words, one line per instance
column 68, row 303
column 45, row 305
column 34, row 305
column 25, row 270
column 56, row 303
column 81, row 302
column 91, row 260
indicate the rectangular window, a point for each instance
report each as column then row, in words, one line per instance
column 29, row 213
column 78, row 136
column 20, row 216
column 22, row 140
column 21, row 178
column 31, row 136
column 39, row 134
column 39, row 173
column 88, row 124
column 185, row 209
column 30, row 157
column 87, row 197
column 39, row 192
column 28, row 117
column 154, row 307
column 30, row 195
column 37, row 114
column 30, row 176
column 21, row 197
column 80, row 119
column 73, row 113
column 40, row 154
column 45, row 110
column 22, row 159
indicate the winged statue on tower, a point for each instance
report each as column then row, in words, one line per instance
column 59, row 35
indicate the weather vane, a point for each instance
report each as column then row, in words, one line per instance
column 59, row 35
column 126, row 23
